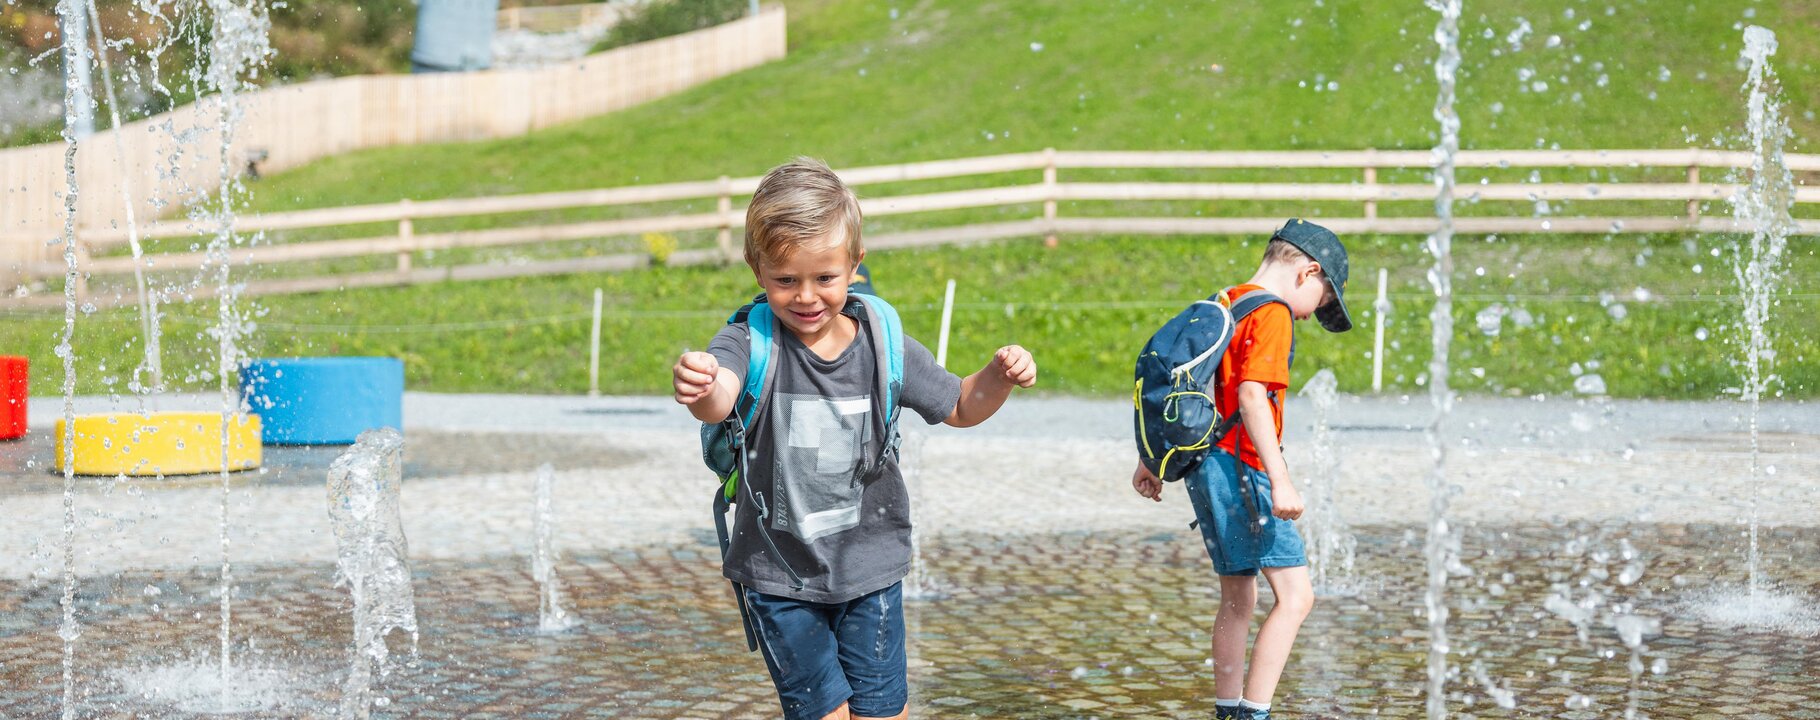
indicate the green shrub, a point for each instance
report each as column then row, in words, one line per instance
column 663, row 18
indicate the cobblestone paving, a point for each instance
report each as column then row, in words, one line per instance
column 1064, row 596
column 1043, row 625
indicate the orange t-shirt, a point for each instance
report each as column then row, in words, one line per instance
column 1259, row 352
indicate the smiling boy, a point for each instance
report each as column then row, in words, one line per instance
column 821, row 543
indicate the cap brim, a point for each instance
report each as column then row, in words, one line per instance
column 1333, row 316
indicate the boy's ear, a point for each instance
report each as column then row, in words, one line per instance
column 861, row 258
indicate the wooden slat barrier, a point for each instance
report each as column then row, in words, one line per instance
column 726, row 218
column 173, row 156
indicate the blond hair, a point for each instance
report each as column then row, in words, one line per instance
column 801, row 204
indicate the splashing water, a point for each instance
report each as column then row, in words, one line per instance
column 1763, row 206
column 152, row 366
column 372, row 558
column 1593, row 595
column 920, row 585
column 551, row 617
column 193, row 686
column 238, row 45
column 1437, row 549
column 76, row 100
column 1331, row 554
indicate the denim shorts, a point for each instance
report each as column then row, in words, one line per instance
column 821, row 655
column 1235, row 521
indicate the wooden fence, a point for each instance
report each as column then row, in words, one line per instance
column 1047, row 189
column 291, row 125
column 559, row 18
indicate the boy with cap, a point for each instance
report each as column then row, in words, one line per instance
column 1243, row 499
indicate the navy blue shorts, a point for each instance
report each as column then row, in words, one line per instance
column 1236, row 524
column 821, row 655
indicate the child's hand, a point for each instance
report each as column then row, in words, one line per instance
column 1146, row 484
column 694, row 375
column 1016, row 365
column 1285, row 502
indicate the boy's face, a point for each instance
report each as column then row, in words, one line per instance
column 808, row 288
column 1311, row 292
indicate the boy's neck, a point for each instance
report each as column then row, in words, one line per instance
column 1275, row 278
column 833, row 338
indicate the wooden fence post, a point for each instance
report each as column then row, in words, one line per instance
column 1371, row 183
column 404, row 235
column 1049, row 192
column 726, row 219
column 1693, row 205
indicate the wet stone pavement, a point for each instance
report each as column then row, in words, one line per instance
column 1059, row 594
column 1029, row 626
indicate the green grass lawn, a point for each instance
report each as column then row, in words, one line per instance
column 873, row 83
column 1084, row 308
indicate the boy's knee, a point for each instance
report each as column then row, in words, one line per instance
column 1241, row 601
column 1299, row 602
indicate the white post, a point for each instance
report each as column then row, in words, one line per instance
column 941, row 343
column 1380, row 309
column 594, row 352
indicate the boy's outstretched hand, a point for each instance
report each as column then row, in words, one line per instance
column 1016, row 365
column 1146, row 483
column 694, row 375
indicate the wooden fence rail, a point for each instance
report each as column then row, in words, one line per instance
column 1048, row 192
column 289, row 125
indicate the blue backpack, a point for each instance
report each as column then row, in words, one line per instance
column 723, row 444
column 1176, row 420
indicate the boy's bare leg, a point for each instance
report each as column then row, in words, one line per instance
column 841, row 713
column 1231, row 628
column 1295, row 598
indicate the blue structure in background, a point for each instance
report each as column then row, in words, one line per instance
column 324, row 401
column 454, row 35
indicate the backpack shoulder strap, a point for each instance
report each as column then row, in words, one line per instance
column 1252, row 301
column 761, row 338
column 1257, row 299
column 888, row 338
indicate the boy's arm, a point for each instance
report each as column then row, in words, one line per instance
column 984, row 392
column 1260, row 424
column 708, row 389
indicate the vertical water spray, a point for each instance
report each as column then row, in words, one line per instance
column 152, row 366
column 75, row 102
column 919, row 585
column 1762, row 207
column 1440, row 275
column 237, row 46
column 372, row 557
column 551, row 617
column 1331, row 554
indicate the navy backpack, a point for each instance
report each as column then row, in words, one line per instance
column 1176, row 420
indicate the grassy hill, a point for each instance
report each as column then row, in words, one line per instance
column 877, row 82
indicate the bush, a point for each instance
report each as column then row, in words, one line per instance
column 663, row 18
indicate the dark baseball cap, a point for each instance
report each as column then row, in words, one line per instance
column 1321, row 244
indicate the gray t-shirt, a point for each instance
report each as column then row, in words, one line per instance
column 844, row 537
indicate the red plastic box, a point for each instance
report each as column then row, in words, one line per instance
column 12, row 396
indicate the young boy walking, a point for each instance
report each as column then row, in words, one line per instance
column 1244, row 501
column 821, row 535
